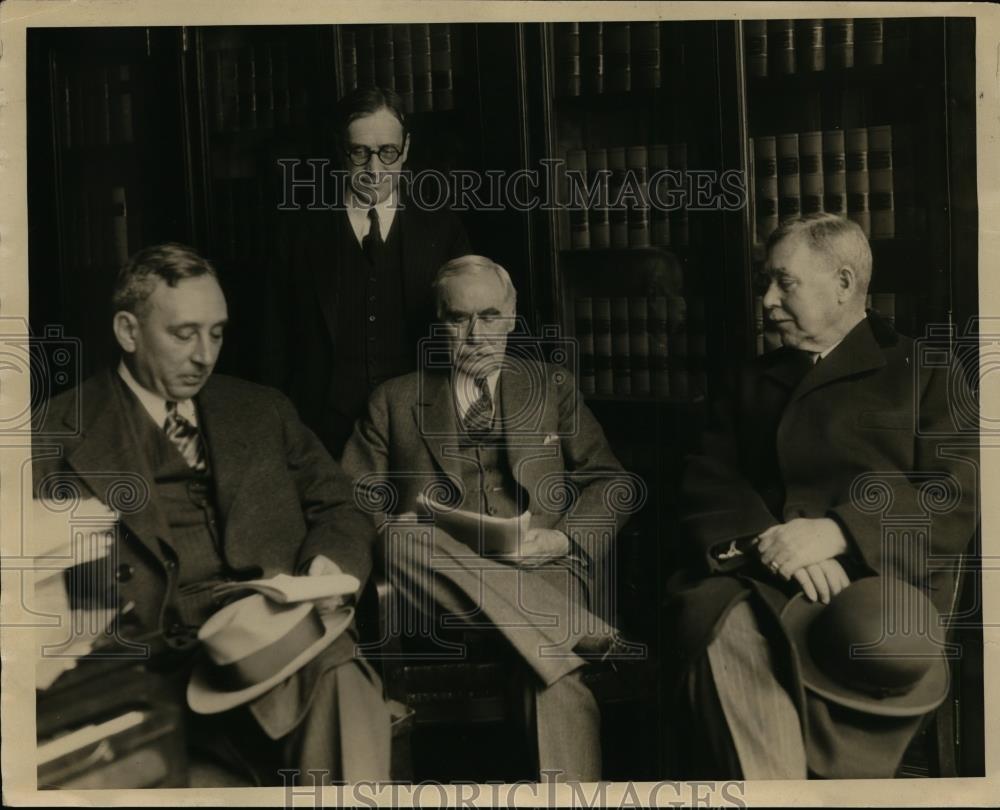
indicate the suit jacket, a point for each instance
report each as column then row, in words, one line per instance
column 552, row 441
column 300, row 352
column 280, row 497
column 864, row 437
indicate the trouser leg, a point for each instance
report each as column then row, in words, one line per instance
column 568, row 727
column 762, row 719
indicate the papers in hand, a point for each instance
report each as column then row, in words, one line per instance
column 285, row 588
column 499, row 535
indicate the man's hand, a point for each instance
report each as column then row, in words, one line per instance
column 822, row 580
column 800, row 543
column 319, row 566
column 539, row 546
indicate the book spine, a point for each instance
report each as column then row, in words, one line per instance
column 119, row 227
column 897, row 41
column 811, row 171
column 756, row 45
column 349, row 60
column 903, row 181
column 123, row 132
column 645, row 65
column 597, row 176
column 364, row 38
column 659, row 354
column 423, row 87
column 617, row 215
column 579, row 229
column 659, row 186
column 857, row 178
column 403, row 50
column 442, row 67
column 765, row 173
column 810, row 47
column 678, row 337
column 217, row 81
column 638, row 347
column 603, row 373
column 840, row 43
column 67, row 112
column 618, row 57
column 834, row 173
column 592, row 56
column 230, row 91
column 869, row 35
column 584, row 309
column 248, row 88
column 385, row 57
column 679, row 226
column 621, row 361
column 265, row 85
column 789, row 178
column 105, row 112
column 781, row 46
column 880, row 198
column 567, row 59
column 637, row 161
column 758, row 324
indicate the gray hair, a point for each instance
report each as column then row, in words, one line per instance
column 170, row 263
column 465, row 265
column 839, row 239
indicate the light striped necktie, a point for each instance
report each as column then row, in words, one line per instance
column 479, row 417
column 185, row 437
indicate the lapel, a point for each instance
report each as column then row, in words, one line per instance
column 109, row 444
column 518, row 399
column 227, row 433
column 434, row 417
column 858, row 353
column 326, row 235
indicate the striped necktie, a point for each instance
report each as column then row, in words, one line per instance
column 185, row 437
column 479, row 417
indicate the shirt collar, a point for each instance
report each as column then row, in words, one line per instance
column 156, row 405
column 385, row 210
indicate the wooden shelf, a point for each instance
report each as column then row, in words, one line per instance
column 631, row 399
column 895, row 78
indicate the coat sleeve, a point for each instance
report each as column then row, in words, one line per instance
column 718, row 504
column 941, row 492
column 367, row 451
column 336, row 527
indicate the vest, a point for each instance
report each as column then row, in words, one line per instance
column 373, row 343
column 187, row 500
column 488, row 482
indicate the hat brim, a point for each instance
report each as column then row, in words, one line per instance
column 203, row 698
column 925, row 696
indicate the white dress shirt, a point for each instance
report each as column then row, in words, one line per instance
column 155, row 405
column 358, row 216
column 467, row 392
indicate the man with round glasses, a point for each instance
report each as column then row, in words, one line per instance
column 357, row 297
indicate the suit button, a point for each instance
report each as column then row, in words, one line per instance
column 124, row 572
column 371, row 318
column 170, row 565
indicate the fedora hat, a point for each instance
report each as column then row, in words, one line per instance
column 253, row 644
column 875, row 648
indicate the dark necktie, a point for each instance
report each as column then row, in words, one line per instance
column 185, row 437
column 372, row 242
column 479, row 417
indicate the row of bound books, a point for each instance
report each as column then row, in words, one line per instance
column 416, row 60
column 97, row 107
column 239, row 209
column 780, row 47
column 99, row 225
column 614, row 57
column 864, row 173
column 768, row 339
column 628, row 200
column 641, row 346
column 251, row 88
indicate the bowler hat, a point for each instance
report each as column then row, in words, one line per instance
column 875, row 648
column 253, row 644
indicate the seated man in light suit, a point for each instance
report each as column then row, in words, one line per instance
column 509, row 434
column 771, row 509
column 238, row 489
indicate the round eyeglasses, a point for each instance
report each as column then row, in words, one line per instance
column 387, row 154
